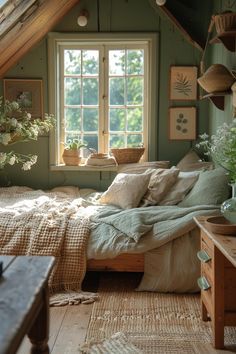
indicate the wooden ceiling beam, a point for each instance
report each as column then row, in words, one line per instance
column 28, row 31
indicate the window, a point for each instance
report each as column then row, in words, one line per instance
column 102, row 92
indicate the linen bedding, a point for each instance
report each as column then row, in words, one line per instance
column 162, row 232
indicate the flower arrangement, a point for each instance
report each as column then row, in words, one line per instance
column 16, row 126
column 222, row 148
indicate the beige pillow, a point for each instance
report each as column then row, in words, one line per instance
column 142, row 167
column 192, row 162
column 126, row 190
column 160, row 182
column 185, row 182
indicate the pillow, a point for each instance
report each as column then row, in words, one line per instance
column 126, row 190
column 211, row 188
column 142, row 167
column 185, row 182
column 160, row 182
column 192, row 162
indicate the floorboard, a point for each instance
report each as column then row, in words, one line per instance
column 68, row 326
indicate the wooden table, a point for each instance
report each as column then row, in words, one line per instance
column 218, row 280
column 24, row 302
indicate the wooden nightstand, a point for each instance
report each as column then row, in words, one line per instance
column 218, row 280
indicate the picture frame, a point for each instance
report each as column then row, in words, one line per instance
column 27, row 92
column 182, row 123
column 183, row 83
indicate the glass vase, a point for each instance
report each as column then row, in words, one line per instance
column 228, row 207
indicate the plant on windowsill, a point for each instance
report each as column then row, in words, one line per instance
column 71, row 154
column 16, row 125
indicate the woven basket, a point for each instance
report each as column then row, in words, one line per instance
column 71, row 157
column 127, row 155
column 217, row 78
column 225, row 22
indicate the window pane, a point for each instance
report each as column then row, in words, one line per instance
column 134, row 90
column 69, row 137
column 90, row 91
column 90, row 119
column 116, row 90
column 134, row 119
column 72, row 61
column 117, row 141
column 116, row 62
column 91, row 141
column 90, row 62
column 72, row 91
column 117, row 119
column 72, row 118
column 134, row 140
column 135, row 62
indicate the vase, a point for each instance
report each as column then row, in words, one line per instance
column 228, row 207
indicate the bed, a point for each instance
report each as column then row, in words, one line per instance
column 159, row 240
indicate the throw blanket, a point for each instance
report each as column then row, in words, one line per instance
column 39, row 223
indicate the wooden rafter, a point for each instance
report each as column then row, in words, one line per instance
column 32, row 25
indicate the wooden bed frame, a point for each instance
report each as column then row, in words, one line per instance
column 127, row 262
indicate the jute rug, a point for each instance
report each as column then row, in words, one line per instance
column 151, row 322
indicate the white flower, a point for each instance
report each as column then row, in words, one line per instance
column 26, row 166
column 5, row 138
column 34, row 159
column 12, row 160
column 28, row 115
column 3, row 157
column 13, row 122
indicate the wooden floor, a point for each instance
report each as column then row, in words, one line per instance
column 68, row 326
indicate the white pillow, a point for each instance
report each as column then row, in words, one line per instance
column 160, row 182
column 126, row 190
column 183, row 185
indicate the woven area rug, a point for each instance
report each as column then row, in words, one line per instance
column 152, row 322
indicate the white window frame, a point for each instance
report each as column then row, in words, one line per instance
column 58, row 41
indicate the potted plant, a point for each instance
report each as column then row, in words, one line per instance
column 71, row 154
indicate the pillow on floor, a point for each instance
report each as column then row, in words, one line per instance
column 185, row 182
column 211, row 188
column 160, row 182
column 126, row 190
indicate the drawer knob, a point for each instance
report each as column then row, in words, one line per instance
column 203, row 283
column 203, row 256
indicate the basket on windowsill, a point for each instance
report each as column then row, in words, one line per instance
column 128, row 155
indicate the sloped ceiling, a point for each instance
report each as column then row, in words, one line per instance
column 191, row 17
column 23, row 23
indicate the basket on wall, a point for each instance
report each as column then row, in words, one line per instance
column 225, row 22
column 128, row 155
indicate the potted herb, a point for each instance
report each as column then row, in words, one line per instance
column 71, row 154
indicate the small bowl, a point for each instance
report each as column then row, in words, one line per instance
column 220, row 225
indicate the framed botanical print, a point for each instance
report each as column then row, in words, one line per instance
column 27, row 92
column 182, row 123
column 183, row 83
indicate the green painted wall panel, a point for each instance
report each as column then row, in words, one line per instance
column 114, row 16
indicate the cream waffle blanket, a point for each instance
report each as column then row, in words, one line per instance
column 42, row 224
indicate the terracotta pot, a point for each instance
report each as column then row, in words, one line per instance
column 71, row 157
column 217, row 78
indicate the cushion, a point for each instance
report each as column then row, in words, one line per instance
column 142, row 167
column 211, row 188
column 185, row 182
column 192, row 162
column 160, row 182
column 126, row 190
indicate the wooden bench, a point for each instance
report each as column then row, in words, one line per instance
column 24, row 302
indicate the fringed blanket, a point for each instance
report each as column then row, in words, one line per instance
column 42, row 224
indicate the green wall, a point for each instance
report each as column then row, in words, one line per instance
column 113, row 16
column 220, row 55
